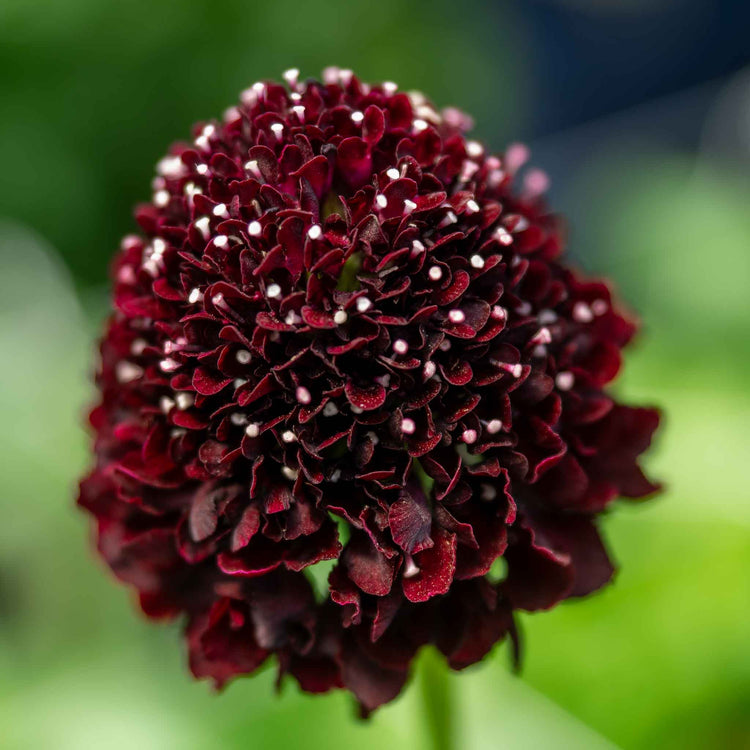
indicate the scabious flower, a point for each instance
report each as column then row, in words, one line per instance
column 345, row 333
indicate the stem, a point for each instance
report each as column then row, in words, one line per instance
column 435, row 687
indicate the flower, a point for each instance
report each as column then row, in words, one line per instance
column 345, row 333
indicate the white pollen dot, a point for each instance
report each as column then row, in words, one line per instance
column 221, row 240
column 340, row 317
column 202, row 225
column 314, row 232
column 487, row 492
column 170, row 166
column 184, row 400
column 138, row 346
column 202, row 142
column 239, row 382
column 498, row 312
column 472, row 206
column 166, row 404
column 390, row 87
column 290, row 473
column 159, row 246
column 542, row 336
column 407, row 426
column 409, row 206
column 291, row 76
column 254, row 228
column 273, row 291
column 202, row 169
column 545, row 317
column 126, row 372
column 169, row 365
column 400, row 346
column 357, row 116
column 393, row 173
column 564, row 380
column 456, row 316
column 477, row 261
column 429, row 369
column 469, row 436
column 218, row 299
column 252, row 166
column 196, row 295
column 474, row 149
column 411, row 569
column 237, row 418
column 494, row 426
column 435, row 273
column 243, row 356
column 288, row 436
column 335, row 475
column 363, row 304
column 450, row 218
column 303, row 395
column 277, row 128
column 523, row 307
column 599, row 306
column 445, row 345
column 419, row 125
column 299, row 110
column 330, row 409
column 582, row 312
column 221, row 210
column 417, row 247
column 295, row 96
column 382, row 201
column 252, row 430
column 161, row 198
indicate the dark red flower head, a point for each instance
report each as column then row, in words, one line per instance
column 345, row 333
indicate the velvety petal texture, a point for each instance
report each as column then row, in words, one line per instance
column 346, row 333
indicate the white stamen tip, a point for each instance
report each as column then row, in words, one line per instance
column 430, row 368
column 221, row 240
column 435, row 273
column 582, row 313
column 393, row 173
column 409, row 206
column 243, row 356
column 408, row 426
column 237, row 419
column 288, row 436
column 494, row 426
column 411, row 569
column 273, row 291
column 456, row 316
column 252, row 430
column 254, row 229
column 202, row 225
column 477, row 261
column 161, row 198
column 315, row 232
column 340, row 317
column 290, row 473
column 400, row 346
column 382, row 201
column 564, row 380
column 357, row 116
column 499, row 312
column 169, row 365
column 363, row 304
column 469, row 436
column 202, row 169
column 599, row 306
column 419, row 125
column 278, row 129
column 196, row 295
column 330, row 409
column 303, row 395
column 474, row 149
column 126, row 372
column 184, row 400
column 137, row 347
column 542, row 336
column 221, row 210
column 472, row 206
column 487, row 492
column 291, row 76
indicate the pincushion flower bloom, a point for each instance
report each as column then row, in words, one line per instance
column 346, row 333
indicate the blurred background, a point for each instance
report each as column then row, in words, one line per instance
column 640, row 112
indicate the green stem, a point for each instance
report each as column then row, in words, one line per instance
column 434, row 683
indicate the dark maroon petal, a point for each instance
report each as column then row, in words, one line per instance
column 435, row 568
column 367, row 567
column 410, row 521
column 367, row 398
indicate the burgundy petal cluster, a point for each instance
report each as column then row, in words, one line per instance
column 345, row 334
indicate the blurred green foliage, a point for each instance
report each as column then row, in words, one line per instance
column 92, row 92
